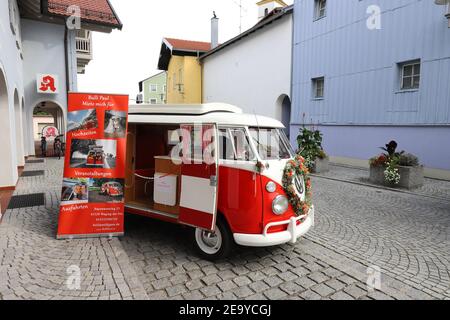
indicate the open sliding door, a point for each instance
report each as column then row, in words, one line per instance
column 199, row 176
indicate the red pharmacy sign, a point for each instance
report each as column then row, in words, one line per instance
column 92, row 199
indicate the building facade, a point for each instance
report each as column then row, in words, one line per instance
column 253, row 70
column 154, row 89
column 184, row 73
column 39, row 61
column 368, row 72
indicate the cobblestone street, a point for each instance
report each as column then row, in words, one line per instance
column 406, row 234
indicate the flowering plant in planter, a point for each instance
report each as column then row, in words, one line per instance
column 392, row 174
column 393, row 165
column 310, row 146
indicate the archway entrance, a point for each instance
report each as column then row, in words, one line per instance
column 47, row 114
column 284, row 110
column 8, row 174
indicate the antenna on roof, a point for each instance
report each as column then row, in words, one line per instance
column 241, row 9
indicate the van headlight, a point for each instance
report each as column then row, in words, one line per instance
column 271, row 187
column 280, row 205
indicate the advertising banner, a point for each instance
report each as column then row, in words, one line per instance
column 92, row 200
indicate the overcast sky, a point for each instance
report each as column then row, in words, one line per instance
column 123, row 58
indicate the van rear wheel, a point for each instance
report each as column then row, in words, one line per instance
column 213, row 245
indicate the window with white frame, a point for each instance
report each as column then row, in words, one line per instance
column 410, row 75
column 153, row 87
column 153, row 101
column 318, row 88
column 320, row 9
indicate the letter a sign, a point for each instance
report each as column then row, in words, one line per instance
column 47, row 83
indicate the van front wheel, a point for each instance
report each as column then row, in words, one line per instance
column 213, row 245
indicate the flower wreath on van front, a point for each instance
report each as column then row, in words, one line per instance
column 298, row 168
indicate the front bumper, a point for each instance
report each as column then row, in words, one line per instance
column 266, row 239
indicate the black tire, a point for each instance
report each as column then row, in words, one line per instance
column 227, row 242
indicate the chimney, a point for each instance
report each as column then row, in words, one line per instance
column 214, row 31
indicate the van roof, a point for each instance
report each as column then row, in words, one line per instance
column 221, row 113
column 185, row 109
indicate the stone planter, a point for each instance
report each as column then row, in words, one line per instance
column 321, row 165
column 410, row 177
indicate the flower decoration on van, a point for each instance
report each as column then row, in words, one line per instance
column 297, row 168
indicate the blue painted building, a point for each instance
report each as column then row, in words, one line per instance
column 369, row 71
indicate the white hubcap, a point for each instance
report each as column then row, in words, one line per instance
column 209, row 243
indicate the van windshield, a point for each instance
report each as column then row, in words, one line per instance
column 272, row 144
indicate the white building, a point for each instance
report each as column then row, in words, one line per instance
column 253, row 70
column 43, row 45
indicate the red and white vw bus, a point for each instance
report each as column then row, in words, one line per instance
column 113, row 189
column 232, row 177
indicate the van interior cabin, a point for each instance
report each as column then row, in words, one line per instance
column 152, row 180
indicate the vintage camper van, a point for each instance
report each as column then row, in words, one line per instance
column 232, row 177
column 113, row 189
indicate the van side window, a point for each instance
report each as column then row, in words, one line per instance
column 234, row 145
column 225, row 145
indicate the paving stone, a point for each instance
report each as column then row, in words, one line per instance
column 288, row 276
column 243, row 292
column 318, row 277
column 273, row 281
column 161, row 284
column 195, row 274
column 227, row 296
column 193, row 295
column 211, row 279
column 176, row 290
column 377, row 295
column 310, row 295
column 346, row 279
column 322, row 289
column 256, row 276
column 340, row 295
column 291, row 288
column 157, row 295
column 259, row 286
column 275, row 294
column 210, row 291
column 335, row 284
column 226, row 285
column 256, row 297
column 226, row 274
column 305, row 282
column 242, row 281
column 355, row 292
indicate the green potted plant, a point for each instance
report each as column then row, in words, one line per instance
column 396, row 169
column 310, row 148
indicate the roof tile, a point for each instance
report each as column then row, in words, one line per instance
column 179, row 44
column 91, row 10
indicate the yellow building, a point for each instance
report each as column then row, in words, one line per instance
column 184, row 72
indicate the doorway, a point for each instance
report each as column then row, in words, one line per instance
column 284, row 111
column 48, row 122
